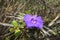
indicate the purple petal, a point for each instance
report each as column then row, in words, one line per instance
column 27, row 17
column 39, row 18
column 29, row 24
column 39, row 25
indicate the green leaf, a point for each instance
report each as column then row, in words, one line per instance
column 17, row 32
column 28, row 11
column 7, row 38
column 21, row 14
column 21, row 20
column 11, row 30
column 22, row 25
column 15, row 24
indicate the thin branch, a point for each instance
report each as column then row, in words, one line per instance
column 5, row 35
column 58, row 21
column 53, row 21
column 18, row 18
column 45, row 32
column 6, row 24
column 50, row 30
column 20, row 7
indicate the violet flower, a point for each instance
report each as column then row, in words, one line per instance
column 33, row 21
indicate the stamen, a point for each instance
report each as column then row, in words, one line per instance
column 33, row 20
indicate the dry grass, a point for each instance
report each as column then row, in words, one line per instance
column 48, row 9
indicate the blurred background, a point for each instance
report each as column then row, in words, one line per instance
column 48, row 9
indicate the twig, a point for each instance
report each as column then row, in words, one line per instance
column 58, row 21
column 5, row 35
column 6, row 24
column 45, row 32
column 53, row 21
column 20, row 7
column 50, row 30
column 15, row 17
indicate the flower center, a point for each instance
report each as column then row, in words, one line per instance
column 33, row 20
